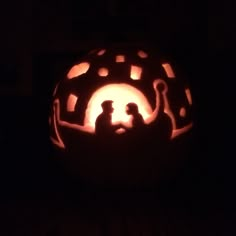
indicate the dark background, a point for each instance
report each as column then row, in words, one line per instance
column 37, row 197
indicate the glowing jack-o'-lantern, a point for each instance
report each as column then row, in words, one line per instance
column 116, row 105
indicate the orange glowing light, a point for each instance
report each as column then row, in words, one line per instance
column 101, row 52
column 170, row 73
column 182, row 112
column 71, row 102
column 55, row 89
column 188, row 95
column 103, row 72
column 113, row 92
column 57, row 140
column 177, row 132
column 78, row 70
column 68, row 124
column 121, row 95
column 90, row 127
column 135, row 72
column 120, row 131
column 142, row 54
column 120, row 58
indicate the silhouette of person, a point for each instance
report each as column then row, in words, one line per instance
column 103, row 123
column 136, row 133
column 137, row 118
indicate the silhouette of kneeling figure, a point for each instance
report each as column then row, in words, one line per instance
column 103, row 124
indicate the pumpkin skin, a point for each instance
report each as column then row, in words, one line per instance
column 143, row 89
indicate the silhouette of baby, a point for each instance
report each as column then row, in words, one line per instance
column 103, row 124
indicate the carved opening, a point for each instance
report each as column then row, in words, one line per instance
column 55, row 89
column 71, row 102
column 135, row 72
column 103, row 72
column 121, row 95
column 78, row 70
column 182, row 112
column 168, row 69
column 101, row 52
column 142, row 54
column 188, row 95
column 120, row 58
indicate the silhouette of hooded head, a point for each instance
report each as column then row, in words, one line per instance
column 107, row 106
column 132, row 108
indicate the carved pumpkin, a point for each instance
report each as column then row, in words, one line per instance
column 118, row 113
